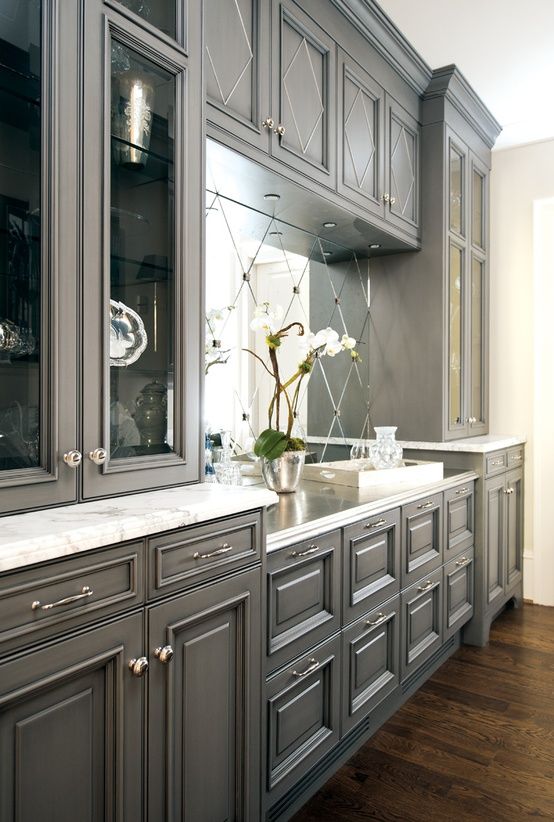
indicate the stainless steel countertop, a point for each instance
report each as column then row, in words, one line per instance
column 318, row 507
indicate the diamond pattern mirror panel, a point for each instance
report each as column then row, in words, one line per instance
column 252, row 259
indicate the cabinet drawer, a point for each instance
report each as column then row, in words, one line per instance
column 40, row 601
column 459, row 518
column 192, row 555
column 302, row 715
column 458, row 592
column 421, row 607
column 371, row 563
column 496, row 463
column 515, row 457
column 421, row 538
column 370, row 662
column 303, row 597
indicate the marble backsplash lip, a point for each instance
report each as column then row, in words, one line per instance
column 38, row 536
column 469, row 445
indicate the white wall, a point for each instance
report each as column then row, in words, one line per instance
column 520, row 177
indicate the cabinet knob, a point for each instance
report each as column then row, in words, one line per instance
column 280, row 130
column 392, row 200
column 73, row 459
column 385, row 198
column 269, row 122
column 164, row 654
column 139, row 666
column 98, row 456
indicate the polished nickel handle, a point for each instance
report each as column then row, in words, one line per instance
column 225, row 548
column 85, row 592
column 392, row 200
column 462, row 561
column 425, row 505
column 269, row 122
column 98, row 456
column 428, row 584
column 380, row 619
column 497, row 462
column 462, row 491
column 164, row 654
column 386, row 198
column 73, row 458
column 138, row 667
column 313, row 666
column 516, row 457
column 377, row 524
column 313, row 549
column 280, row 130
column 509, row 490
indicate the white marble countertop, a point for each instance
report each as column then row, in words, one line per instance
column 39, row 536
column 472, row 445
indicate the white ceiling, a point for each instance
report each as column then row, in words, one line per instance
column 505, row 49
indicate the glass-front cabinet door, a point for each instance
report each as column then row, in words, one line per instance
column 456, row 367
column 37, row 255
column 478, row 297
column 141, row 295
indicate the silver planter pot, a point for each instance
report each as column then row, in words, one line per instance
column 284, row 473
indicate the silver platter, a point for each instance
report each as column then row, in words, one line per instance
column 128, row 338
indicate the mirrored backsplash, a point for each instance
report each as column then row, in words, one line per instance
column 251, row 259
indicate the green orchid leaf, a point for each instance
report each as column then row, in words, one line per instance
column 270, row 444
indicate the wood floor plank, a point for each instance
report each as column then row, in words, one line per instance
column 476, row 742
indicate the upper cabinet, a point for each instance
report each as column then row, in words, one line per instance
column 289, row 87
column 38, row 253
column 100, row 278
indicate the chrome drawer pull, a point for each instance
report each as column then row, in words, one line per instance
column 225, row 548
column 462, row 561
column 428, row 584
column 377, row 524
column 462, row 491
column 85, row 592
column 425, row 505
column 497, row 462
column 516, row 457
column 313, row 666
column 380, row 619
column 313, row 549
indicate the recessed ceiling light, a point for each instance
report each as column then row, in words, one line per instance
column 329, row 225
column 327, row 253
column 272, row 196
column 275, row 233
column 375, row 245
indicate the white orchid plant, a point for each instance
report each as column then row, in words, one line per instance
column 273, row 442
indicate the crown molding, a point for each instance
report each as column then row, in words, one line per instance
column 377, row 27
column 449, row 83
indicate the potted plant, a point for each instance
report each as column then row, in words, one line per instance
column 281, row 453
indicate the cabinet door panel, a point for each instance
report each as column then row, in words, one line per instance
column 403, row 168
column 236, row 66
column 477, row 344
column 303, row 70
column 458, row 593
column 38, row 257
column 370, row 662
column 514, row 528
column 422, row 538
column 457, row 364
column 421, row 621
column 302, row 715
column 360, row 137
column 141, row 247
column 71, row 718
column 459, row 515
column 371, row 563
column 495, row 538
column 204, row 750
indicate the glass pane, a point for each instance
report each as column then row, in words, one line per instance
column 456, row 340
column 477, row 206
column 20, row 235
column 456, row 197
column 160, row 13
column 142, row 301
column 477, row 339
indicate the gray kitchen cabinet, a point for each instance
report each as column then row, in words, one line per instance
column 371, row 563
column 204, row 698
column 459, row 519
column 370, row 662
column 402, row 193
column 495, row 535
column 458, row 584
column 71, row 728
column 436, row 302
column 422, row 538
column 514, row 529
column 236, row 65
column 422, row 621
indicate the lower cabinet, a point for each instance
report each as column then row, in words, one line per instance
column 71, row 729
column 204, row 741
column 458, row 593
column 514, row 529
column 302, row 715
column 422, row 621
column 370, row 662
column 504, row 535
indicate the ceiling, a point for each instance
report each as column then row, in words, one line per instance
column 505, row 49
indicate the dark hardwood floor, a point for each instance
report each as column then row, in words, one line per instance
column 475, row 743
